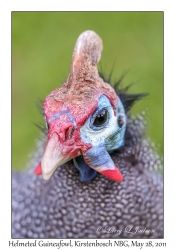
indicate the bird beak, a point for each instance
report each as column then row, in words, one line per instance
column 53, row 158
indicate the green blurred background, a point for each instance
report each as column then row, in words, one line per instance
column 42, row 46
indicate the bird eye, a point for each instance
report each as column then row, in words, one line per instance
column 101, row 118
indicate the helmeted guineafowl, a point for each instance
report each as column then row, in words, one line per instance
column 99, row 176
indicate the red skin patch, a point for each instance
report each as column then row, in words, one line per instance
column 113, row 174
column 38, row 169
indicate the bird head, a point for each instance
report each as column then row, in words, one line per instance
column 85, row 117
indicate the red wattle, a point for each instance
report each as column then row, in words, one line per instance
column 113, row 174
column 38, row 169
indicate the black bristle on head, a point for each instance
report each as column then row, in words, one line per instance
column 39, row 104
column 41, row 125
column 127, row 99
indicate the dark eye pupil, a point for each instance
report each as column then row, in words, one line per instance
column 101, row 118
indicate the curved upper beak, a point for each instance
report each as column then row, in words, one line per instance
column 53, row 156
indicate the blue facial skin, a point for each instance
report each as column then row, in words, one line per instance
column 86, row 173
column 104, row 138
column 56, row 116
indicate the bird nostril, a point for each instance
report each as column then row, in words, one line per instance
column 69, row 133
column 66, row 134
